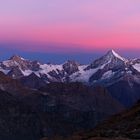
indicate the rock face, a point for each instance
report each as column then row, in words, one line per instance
column 15, row 72
column 71, row 67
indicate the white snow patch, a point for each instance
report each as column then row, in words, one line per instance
column 129, row 72
column 10, row 63
column 26, row 72
column 4, row 71
column 137, row 67
column 118, row 56
column 45, row 68
column 84, row 75
column 107, row 74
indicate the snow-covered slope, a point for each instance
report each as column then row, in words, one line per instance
column 18, row 67
column 101, row 67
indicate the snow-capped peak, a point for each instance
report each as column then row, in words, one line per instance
column 16, row 57
column 112, row 53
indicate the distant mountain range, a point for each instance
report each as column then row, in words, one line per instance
column 120, row 75
column 106, row 70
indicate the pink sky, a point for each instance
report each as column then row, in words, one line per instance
column 89, row 24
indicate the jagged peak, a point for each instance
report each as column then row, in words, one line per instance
column 16, row 57
column 33, row 75
column 71, row 62
column 114, row 54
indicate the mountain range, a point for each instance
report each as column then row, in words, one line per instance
column 106, row 70
column 110, row 71
column 46, row 100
